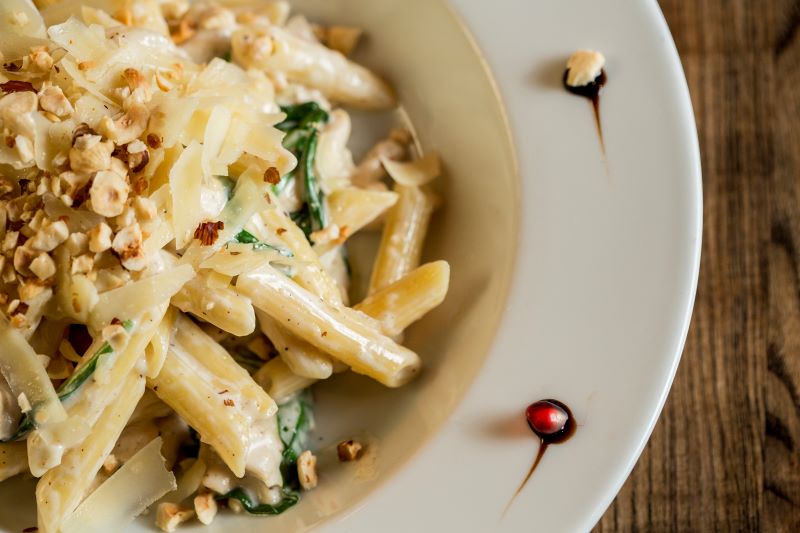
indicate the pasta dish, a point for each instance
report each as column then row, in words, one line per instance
column 176, row 198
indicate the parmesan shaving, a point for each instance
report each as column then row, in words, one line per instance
column 125, row 495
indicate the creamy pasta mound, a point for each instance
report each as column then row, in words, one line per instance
column 176, row 198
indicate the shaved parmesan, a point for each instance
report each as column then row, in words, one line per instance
column 216, row 129
column 188, row 483
column 237, row 259
column 185, row 182
column 25, row 374
column 135, row 298
column 415, row 173
column 125, row 495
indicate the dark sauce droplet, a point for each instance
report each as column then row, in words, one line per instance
column 592, row 92
column 552, row 421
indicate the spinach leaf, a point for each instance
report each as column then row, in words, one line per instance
column 245, row 237
column 295, row 420
column 289, row 499
column 302, row 136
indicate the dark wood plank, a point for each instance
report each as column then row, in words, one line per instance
column 726, row 454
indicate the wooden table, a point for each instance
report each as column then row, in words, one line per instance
column 725, row 455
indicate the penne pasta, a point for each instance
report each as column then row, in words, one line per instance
column 279, row 381
column 156, row 351
column 62, row 488
column 408, row 299
column 301, row 357
column 215, row 396
column 46, row 446
column 343, row 333
column 222, row 307
column 311, row 64
column 403, row 236
column 13, row 459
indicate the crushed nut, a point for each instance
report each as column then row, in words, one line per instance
column 348, row 450
column 153, row 141
column 83, row 264
column 206, row 507
column 127, row 127
column 89, row 154
column 169, row 516
column 183, row 31
column 72, row 182
column 208, row 232
column 128, row 245
column 77, row 244
column 15, row 86
column 583, row 67
column 100, row 238
column 43, row 266
column 85, row 65
column 145, row 208
column 50, row 235
column 271, row 175
column 24, row 403
column 31, row 288
column 52, row 99
column 108, row 193
column 307, row 470
column 23, row 256
column 110, row 464
column 327, row 234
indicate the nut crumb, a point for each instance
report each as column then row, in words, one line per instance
column 583, row 67
column 349, row 450
column 208, row 232
column 307, row 470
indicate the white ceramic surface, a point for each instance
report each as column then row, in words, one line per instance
column 570, row 280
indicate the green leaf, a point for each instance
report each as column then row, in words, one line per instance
column 289, row 499
column 295, row 419
column 245, row 237
column 314, row 195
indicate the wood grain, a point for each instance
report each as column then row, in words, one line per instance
column 725, row 455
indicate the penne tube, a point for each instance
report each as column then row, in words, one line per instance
column 352, row 209
column 408, row 299
column 156, row 351
column 310, row 63
column 343, row 333
column 46, row 446
column 403, row 236
column 13, row 459
column 222, row 307
column 301, row 357
column 213, row 394
column 62, row 488
column 370, row 171
column 309, row 273
column 279, row 381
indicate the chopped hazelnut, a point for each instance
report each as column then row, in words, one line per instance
column 50, row 235
column 100, row 238
column 72, row 182
column 30, row 289
column 145, row 209
column 110, row 464
column 583, row 67
column 10, row 241
column 169, row 516
column 307, row 470
column 208, row 232
column 206, row 507
column 43, row 266
column 108, row 193
column 127, row 127
column 83, row 264
column 90, row 154
column 348, row 450
column 52, row 99
column 77, row 244
column 128, row 245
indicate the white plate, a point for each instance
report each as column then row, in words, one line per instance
column 569, row 280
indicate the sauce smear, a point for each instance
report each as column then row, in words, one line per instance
column 553, row 423
column 592, row 92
